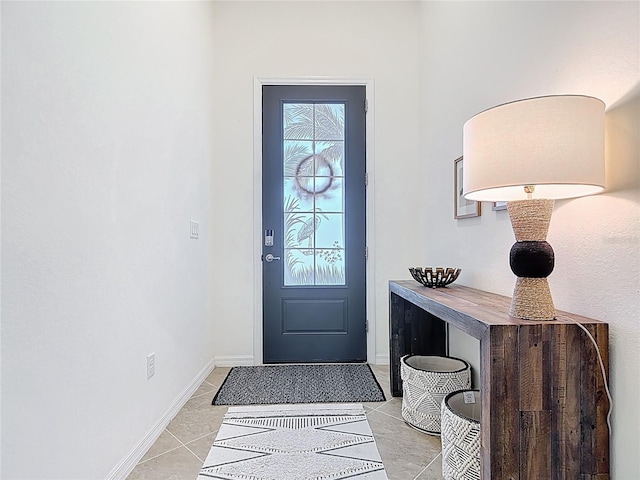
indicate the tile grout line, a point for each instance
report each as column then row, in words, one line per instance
column 200, row 438
column 389, row 415
column 166, row 451
column 190, row 441
column 215, row 388
column 379, row 406
column 180, row 441
column 191, row 451
column 185, row 445
column 202, row 394
column 425, row 468
column 160, row 454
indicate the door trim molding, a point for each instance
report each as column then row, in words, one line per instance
column 258, row 82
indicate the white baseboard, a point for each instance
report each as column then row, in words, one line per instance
column 129, row 462
column 382, row 359
column 235, row 361
column 248, row 360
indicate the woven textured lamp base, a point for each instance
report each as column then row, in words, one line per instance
column 530, row 219
column 532, row 300
column 531, row 259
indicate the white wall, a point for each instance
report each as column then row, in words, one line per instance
column 106, row 153
column 479, row 54
column 378, row 40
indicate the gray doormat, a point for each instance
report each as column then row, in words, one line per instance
column 279, row 384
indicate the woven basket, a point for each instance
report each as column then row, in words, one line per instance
column 426, row 380
column 461, row 436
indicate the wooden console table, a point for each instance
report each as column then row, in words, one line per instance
column 544, row 405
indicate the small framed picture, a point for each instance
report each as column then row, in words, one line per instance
column 499, row 206
column 462, row 208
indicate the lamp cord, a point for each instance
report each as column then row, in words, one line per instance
column 604, row 374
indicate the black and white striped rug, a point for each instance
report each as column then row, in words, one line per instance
column 281, row 384
column 294, row 442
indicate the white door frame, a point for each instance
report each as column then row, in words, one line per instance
column 257, row 201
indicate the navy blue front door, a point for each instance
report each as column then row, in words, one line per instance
column 314, row 288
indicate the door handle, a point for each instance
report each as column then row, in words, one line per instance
column 270, row 258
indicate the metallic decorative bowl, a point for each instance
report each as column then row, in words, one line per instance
column 434, row 277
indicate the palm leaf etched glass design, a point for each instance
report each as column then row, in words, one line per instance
column 313, row 147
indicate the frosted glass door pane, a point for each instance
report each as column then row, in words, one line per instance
column 313, row 193
column 333, row 201
column 332, row 232
column 293, row 201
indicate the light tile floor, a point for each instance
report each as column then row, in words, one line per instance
column 179, row 452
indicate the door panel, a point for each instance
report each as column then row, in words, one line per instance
column 314, row 292
column 313, row 315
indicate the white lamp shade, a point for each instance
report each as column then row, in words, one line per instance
column 555, row 143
